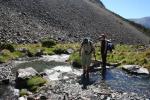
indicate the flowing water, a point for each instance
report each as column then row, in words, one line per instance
column 55, row 66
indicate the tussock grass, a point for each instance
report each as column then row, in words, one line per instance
column 35, row 82
column 124, row 54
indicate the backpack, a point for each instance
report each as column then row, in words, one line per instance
column 110, row 46
column 92, row 49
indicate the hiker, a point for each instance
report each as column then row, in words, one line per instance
column 110, row 46
column 103, row 54
column 86, row 51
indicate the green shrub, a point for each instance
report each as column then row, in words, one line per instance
column 48, row 43
column 60, row 51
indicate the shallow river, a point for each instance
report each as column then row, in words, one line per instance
column 55, row 65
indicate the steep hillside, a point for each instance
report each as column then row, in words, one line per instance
column 66, row 20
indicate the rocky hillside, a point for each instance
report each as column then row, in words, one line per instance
column 143, row 21
column 71, row 20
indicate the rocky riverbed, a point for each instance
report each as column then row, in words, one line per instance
column 66, row 83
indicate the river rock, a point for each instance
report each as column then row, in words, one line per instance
column 22, row 75
column 27, row 72
column 135, row 69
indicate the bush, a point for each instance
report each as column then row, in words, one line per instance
column 48, row 43
column 8, row 47
column 60, row 51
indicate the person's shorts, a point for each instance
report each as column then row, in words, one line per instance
column 86, row 60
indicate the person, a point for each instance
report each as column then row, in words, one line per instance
column 86, row 51
column 110, row 46
column 104, row 46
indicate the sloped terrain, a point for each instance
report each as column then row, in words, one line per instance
column 67, row 20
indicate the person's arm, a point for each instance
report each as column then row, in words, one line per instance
column 106, row 44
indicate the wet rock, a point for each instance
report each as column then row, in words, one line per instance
column 135, row 69
column 76, row 64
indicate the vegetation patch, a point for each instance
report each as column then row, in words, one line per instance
column 6, row 55
column 7, row 46
column 23, row 92
column 48, row 43
column 75, row 57
column 124, row 54
column 35, row 82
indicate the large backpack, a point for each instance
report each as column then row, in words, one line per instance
column 110, row 46
column 90, row 42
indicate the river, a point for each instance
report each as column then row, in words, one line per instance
column 55, row 65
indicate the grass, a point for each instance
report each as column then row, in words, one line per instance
column 23, row 92
column 6, row 55
column 35, row 82
column 124, row 54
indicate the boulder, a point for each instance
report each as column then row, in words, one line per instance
column 27, row 72
column 135, row 69
column 22, row 75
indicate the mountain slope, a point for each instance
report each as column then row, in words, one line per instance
column 143, row 21
column 66, row 20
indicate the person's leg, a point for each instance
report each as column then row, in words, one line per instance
column 84, row 71
column 103, row 66
column 88, row 65
column 87, row 72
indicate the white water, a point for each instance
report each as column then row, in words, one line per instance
column 61, row 72
column 56, row 58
